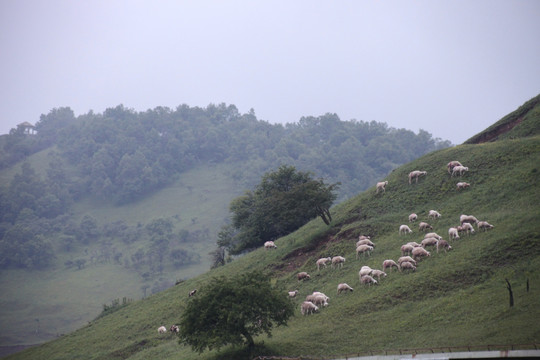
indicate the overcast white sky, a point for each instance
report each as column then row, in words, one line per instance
column 451, row 68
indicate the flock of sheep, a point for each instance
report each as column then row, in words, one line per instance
column 411, row 252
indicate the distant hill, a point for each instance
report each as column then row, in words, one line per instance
column 453, row 299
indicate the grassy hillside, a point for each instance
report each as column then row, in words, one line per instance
column 457, row 298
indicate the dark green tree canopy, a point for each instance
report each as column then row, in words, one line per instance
column 233, row 311
column 285, row 200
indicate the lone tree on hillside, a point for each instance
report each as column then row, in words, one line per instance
column 285, row 200
column 233, row 311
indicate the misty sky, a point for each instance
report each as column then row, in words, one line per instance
column 451, row 68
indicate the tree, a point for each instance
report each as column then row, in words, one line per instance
column 233, row 311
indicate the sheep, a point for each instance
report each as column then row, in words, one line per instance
column 443, row 244
column 364, row 242
column 467, row 218
column 365, row 270
column 365, row 249
column 404, row 229
column 366, row 279
column 162, row 330
column 462, row 185
column 303, row 276
column 362, row 237
column 322, row 261
column 390, row 264
column 419, row 252
column 413, row 244
column 431, row 241
column 270, row 245
column 318, row 293
column 343, row 287
column 319, row 300
column 174, row 329
column 293, row 293
column 308, row 307
column 403, row 259
column 338, row 260
column 378, row 274
column 453, row 233
column 459, row 170
column 424, row 226
column 381, row 186
column 406, row 249
column 484, row 225
column 450, row 166
column 415, row 175
column 192, row 292
column 468, row 228
column 434, row 214
column 406, row 265
column 432, row 234
column 413, row 217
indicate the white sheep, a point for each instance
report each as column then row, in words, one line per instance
column 293, row 293
column 484, row 225
column 413, row 244
column 364, row 242
column 319, row 300
column 318, row 293
column 270, row 245
column 381, row 186
column 422, row 226
column 404, row 229
column 308, row 307
column 453, row 233
column 162, row 330
column 406, row 249
column 413, row 217
column 468, row 228
column 378, row 273
column 174, row 329
column 444, row 245
column 467, row 218
column 419, row 252
column 462, row 185
column 434, row 214
column 362, row 237
column 365, row 270
column 406, row 265
column 323, row 261
column 433, row 234
column 415, row 175
column 459, row 170
column 364, row 249
column 403, row 259
column 452, row 164
column 389, row 264
column 338, row 260
column 303, row 276
column 366, row 279
column 431, row 241
column 343, row 287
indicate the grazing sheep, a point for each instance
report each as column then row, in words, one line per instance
column 174, row 329
column 484, row 225
column 467, row 219
column 431, row 241
column 323, row 261
column 362, row 237
column 381, row 186
column 444, row 245
column 459, row 170
column 415, row 175
column 433, row 214
column 293, row 293
column 270, row 245
column 413, row 217
column 303, row 276
column 162, row 330
column 365, row 270
column 319, row 300
column 192, row 292
column 308, row 307
column 366, row 279
column 413, row 244
column 406, row 265
column 406, row 249
column 404, row 229
column 365, row 249
column 452, row 164
column 423, row 226
column 468, row 228
column 402, row 259
column 462, row 185
column 432, row 234
column 343, row 287
column 378, row 274
column 364, row 242
column 419, row 252
column 318, row 293
column 453, row 233
column 389, row 264
column 338, row 260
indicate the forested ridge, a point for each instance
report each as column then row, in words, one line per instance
column 122, row 155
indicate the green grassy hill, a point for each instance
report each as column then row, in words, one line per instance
column 458, row 298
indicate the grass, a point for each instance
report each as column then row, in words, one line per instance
column 457, row 298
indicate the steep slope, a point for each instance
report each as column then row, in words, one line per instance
column 455, row 299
